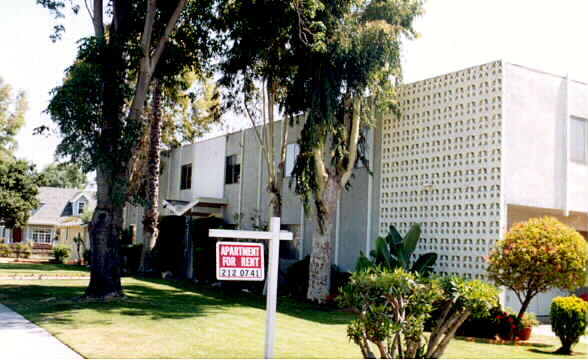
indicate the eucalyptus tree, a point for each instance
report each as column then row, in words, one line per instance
column 101, row 125
column 256, row 69
column 348, row 75
column 12, row 116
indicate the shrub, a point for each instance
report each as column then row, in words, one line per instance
column 483, row 326
column 61, row 253
column 22, row 250
column 529, row 320
column 536, row 256
column 394, row 251
column 569, row 316
column 4, row 250
column 509, row 325
column 392, row 309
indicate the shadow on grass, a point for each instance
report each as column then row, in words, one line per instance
column 35, row 267
column 152, row 298
column 574, row 353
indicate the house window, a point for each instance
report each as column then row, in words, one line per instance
column 579, row 140
column 81, row 207
column 41, row 236
column 292, row 152
column 186, row 177
column 232, row 170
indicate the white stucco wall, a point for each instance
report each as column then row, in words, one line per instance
column 534, row 115
column 208, row 169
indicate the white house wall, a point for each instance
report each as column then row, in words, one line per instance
column 534, row 120
column 578, row 173
column 207, row 176
column 441, row 167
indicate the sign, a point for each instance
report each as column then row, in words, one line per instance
column 274, row 236
column 239, row 261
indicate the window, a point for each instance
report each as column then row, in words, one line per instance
column 81, row 207
column 579, row 140
column 186, row 177
column 292, row 151
column 41, row 236
column 232, row 170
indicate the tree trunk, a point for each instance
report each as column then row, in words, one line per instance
column 525, row 304
column 151, row 215
column 111, row 177
column 105, row 238
column 319, row 275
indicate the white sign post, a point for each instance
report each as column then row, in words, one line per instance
column 274, row 235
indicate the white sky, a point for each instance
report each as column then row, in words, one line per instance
column 455, row 34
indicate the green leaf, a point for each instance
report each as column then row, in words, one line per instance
column 424, row 264
column 363, row 263
column 411, row 239
column 383, row 254
column 393, row 237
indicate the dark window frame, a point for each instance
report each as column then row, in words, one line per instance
column 232, row 170
column 186, row 177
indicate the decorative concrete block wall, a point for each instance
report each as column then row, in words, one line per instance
column 441, row 167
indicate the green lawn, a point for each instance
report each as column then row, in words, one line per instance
column 165, row 319
column 11, row 269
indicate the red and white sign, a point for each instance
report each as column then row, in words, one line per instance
column 239, row 261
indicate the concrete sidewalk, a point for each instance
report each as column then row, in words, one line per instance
column 545, row 330
column 21, row 339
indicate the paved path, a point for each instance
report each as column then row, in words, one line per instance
column 21, row 339
column 545, row 330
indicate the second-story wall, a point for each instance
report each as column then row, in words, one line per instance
column 537, row 108
column 206, row 158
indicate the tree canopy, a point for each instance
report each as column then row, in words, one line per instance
column 64, row 175
column 19, row 187
column 100, row 107
column 12, row 117
column 536, row 256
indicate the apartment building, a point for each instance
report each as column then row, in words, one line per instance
column 474, row 152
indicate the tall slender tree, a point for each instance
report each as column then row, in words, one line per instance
column 121, row 58
column 256, row 68
column 349, row 75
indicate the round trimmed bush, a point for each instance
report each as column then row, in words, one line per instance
column 569, row 316
column 536, row 256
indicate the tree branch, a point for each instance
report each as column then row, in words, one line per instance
column 353, row 140
column 97, row 19
column 261, row 141
column 320, row 168
column 168, row 29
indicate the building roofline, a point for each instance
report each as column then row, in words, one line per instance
column 496, row 61
column 544, row 72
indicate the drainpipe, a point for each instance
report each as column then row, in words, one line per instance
column 371, row 142
column 242, row 163
column 259, row 175
column 566, row 152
